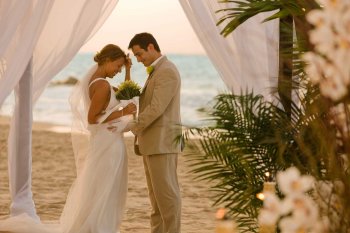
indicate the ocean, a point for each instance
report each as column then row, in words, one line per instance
column 200, row 84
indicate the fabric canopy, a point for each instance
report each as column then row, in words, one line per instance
column 247, row 59
column 38, row 39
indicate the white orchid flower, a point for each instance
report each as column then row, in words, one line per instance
column 306, row 211
column 271, row 211
column 291, row 182
column 329, row 65
column 290, row 225
column 333, row 88
column 314, row 66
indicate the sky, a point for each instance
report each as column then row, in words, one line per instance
column 165, row 19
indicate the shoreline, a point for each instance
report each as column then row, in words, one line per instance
column 39, row 126
column 48, row 127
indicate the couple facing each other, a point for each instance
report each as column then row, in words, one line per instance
column 96, row 200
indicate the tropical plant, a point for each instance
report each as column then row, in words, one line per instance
column 251, row 136
column 235, row 153
column 245, row 9
column 289, row 13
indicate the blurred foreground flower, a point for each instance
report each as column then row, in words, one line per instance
column 297, row 212
column 329, row 64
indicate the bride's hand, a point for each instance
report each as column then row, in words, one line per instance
column 128, row 62
column 129, row 109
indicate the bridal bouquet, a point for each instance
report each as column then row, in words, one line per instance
column 128, row 90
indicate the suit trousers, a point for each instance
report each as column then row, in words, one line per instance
column 164, row 192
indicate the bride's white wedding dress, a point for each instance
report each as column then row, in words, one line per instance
column 96, row 200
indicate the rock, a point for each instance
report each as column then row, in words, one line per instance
column 69, row 81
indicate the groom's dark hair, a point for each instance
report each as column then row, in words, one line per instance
column 143, row 40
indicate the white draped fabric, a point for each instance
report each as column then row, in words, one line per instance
column 42, row 36
column 21, row 23
column 247, row 59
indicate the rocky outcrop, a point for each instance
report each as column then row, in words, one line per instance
column 69, row 81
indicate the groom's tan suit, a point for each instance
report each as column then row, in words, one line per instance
column 156, row 130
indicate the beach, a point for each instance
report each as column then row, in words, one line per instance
column 53, row 172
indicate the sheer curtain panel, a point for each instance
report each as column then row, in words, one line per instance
column 42, row 36
column 247, row 59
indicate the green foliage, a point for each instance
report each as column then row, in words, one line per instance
column 246, row 9
column 251, row 136
column 317, row 146
column 290, row 48
column 127, row 90
column 235, row 153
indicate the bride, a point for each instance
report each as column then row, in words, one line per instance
column 96, row 200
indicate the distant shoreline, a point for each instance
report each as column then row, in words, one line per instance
column 46, row 126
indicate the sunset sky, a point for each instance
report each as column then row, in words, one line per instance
column 165, row 19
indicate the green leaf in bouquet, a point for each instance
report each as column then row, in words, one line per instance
column 128, row 90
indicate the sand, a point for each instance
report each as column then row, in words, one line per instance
column 54, row 172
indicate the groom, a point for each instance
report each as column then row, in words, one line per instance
column 155, row 132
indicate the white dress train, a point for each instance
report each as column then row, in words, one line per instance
column 96, row 200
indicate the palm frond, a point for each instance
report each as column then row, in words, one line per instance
column 235, row 153
column 245, row 9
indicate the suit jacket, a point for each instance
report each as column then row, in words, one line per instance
column 159, row 121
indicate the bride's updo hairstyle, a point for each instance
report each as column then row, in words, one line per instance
column 110, row 52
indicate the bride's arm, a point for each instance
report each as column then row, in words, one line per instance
column 127, row 74
column 128, row 65
column 99, row 97
column 129, row 109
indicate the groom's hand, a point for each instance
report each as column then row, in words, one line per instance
column 130, row 126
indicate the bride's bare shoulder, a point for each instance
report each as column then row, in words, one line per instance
column 97, row 86
column 96, row 81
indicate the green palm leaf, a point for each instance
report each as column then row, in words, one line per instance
column 233, row 155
